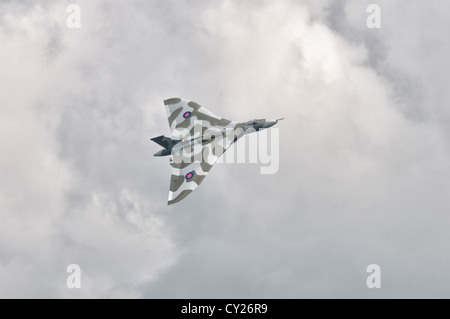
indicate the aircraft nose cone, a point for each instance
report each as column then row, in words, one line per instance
column 269, row 123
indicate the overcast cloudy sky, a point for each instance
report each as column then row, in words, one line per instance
column 364, row 172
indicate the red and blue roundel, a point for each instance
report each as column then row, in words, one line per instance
column 187, row 115
column 189, row 176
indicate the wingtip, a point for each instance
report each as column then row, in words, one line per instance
column 170, row 101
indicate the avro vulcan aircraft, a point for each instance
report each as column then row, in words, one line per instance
column 198, row 139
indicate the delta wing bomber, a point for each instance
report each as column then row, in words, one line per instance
column 198, row 139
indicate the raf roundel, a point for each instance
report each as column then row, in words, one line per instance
column 187, row 115
column 189, row 176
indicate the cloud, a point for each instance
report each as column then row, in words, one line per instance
column 363, row 151
column 57, row 208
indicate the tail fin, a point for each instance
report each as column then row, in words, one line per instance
column 165, row 142
column 162, row 140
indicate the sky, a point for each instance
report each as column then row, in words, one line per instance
column 363, row 176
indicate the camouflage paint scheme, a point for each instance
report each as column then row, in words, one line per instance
column 203, row 138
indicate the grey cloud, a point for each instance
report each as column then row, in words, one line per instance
column 397, row 51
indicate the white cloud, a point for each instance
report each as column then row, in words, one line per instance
column 52, row 213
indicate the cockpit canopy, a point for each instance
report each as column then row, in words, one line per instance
column 256, row 122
